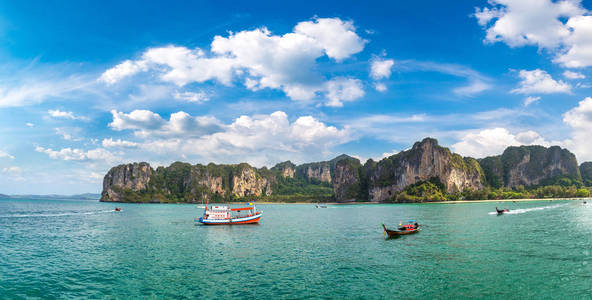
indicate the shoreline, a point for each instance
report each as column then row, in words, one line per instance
column 371, row 202
column 509, row 200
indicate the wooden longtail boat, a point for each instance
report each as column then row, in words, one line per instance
column 397, row 233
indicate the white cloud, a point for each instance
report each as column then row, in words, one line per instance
column 259, row 139
column 539, row 82
column 30, row 125
column 579, row 119
column 528, row 22
column 110, row 143
column 337, row 38
column 381, row 87
column 381, row 68
column 98, row 154
column 578, row 44
column 573, row 75
column 56, row 113
column 563, row 27
column 531, row 99
column 475, row 87
column 494, row 141
column 146, row 123
column 122, row 70
column 6, row 155
column 31, row 90
column 343, row 90
column 257, row 57
column 196, row 97
column 477, row 82
column 12, row 170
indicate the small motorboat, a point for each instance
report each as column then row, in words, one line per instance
column 321, row 206
column 118, row 209
column 403, row 230
column 501, row 211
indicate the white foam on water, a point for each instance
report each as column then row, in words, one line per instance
column 525, row 210
column 56, row 214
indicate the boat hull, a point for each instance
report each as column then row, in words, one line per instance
column 236, row 221
column 397, row 233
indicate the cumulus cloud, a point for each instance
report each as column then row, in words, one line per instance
column 30, row 125
column 531, row 99
column 98, row 154
column 563, row 27
column 145, row 123
column 579, row 119
column 381, row 68
column 539, row 82
column 494, row 141
column 341, row 90
column 258, row 139
column 5, row 155
column 256, row 57
column 119, row 143
column 528, row 22
column 573, row 75
column 56, row 113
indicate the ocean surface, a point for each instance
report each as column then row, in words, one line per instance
column 83, row 249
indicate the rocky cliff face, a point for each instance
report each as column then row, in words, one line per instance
column 316, row 171
column 246, row 182
column 346, row 183
column 530, row 165
column 586, row 171
column 182, row 182
column 286, row 169
column 134, row 177
column 425, row 160
column 344, row 178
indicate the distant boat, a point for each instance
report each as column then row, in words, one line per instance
column 406, row 229
column 321, row 206
column 200, row 206
column 118, row 209
column 501, row 211
column 224, row 215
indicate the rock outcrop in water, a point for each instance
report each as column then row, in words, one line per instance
column 343, row 179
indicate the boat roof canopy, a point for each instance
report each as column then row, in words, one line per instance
column 241, row 208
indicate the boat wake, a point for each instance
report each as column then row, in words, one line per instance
column 525, row 210
column 65, row 214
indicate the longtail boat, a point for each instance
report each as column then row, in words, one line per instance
column 501, row 211
column 225, row 215
column 404, row 230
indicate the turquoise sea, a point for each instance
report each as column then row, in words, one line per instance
column 82, row 249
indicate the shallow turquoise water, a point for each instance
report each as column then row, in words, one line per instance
column 70, row 249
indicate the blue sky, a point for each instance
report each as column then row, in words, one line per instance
column 87, row 85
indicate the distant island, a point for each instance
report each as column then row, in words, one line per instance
column 425, row 173
column 85, row 196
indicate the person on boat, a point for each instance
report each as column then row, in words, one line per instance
column 415, row 225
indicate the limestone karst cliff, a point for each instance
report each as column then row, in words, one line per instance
column 345, row 179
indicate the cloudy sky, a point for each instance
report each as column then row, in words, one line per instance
column 85, row 86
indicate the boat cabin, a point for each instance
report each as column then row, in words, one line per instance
column 218, row 213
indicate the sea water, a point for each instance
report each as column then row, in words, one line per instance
column 84, row 249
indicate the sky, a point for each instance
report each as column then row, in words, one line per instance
column 87, row 85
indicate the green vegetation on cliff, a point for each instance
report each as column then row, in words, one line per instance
column 427, row 172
